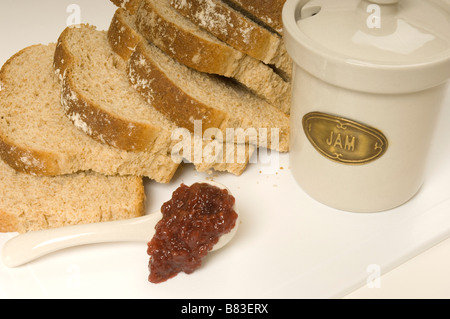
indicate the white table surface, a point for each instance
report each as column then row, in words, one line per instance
column 426, row 275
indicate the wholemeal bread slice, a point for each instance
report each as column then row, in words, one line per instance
column 195, row 96
column 196, row 48
column 123, row 36
column 37, row 138
column 30, row 203
column 232, row 27
column 265, row 12
column 97, row 96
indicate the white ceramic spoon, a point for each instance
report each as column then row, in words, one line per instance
column 30, row 246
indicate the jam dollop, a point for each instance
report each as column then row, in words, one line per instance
column 192, row 223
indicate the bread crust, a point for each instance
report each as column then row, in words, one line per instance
column 121, row 37
column 95, row 121
column 264, row 11
column 167, row 98
column 28, row 161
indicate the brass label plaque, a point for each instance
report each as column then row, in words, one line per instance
column 342, row 140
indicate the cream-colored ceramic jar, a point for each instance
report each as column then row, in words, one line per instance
column 369, row 82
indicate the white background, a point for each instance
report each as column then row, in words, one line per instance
column 288, row 245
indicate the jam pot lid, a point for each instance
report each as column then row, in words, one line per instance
column 404, row 37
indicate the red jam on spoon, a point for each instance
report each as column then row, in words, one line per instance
column 192, row 223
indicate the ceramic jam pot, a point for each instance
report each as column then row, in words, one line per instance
column 370, row 78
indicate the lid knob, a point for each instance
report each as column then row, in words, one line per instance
column 384, row 1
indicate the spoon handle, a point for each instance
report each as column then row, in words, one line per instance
column 30, row 246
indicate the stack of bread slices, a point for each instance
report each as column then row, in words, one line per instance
column 84, row 120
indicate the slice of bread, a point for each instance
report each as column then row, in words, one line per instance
column 268, row 14
column 98, row 98
column 196, row 48
column 30, row 203
column 232, row 27
column 37, row 138
column 123, row 35
column 195, row 96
